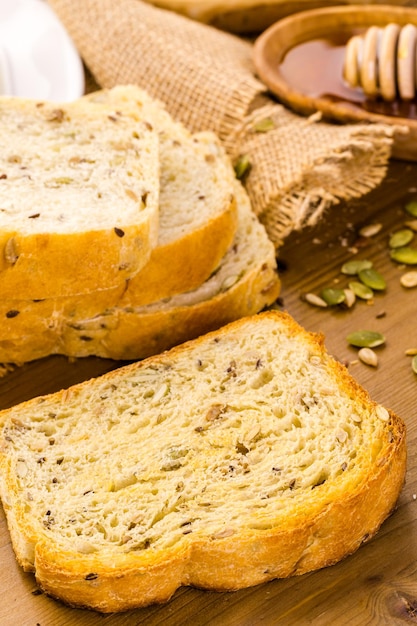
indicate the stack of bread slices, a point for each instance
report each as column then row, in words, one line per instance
column 122, row 234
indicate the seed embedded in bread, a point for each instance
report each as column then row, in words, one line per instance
column 63, row 200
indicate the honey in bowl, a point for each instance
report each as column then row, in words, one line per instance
column 315, row 69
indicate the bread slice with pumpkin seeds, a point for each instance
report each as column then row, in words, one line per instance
column 245, row 455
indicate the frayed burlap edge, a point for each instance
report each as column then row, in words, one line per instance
column 352, row 162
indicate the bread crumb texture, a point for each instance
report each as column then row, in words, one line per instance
column 246, row 455
column 79, row 192
column 70, row 161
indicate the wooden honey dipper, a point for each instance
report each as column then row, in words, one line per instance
column 383, row 62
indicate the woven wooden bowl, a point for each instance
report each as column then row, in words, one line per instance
column 329, row 94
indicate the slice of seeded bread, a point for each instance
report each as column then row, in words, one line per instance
column 198, row 217
column 246, row 455
column 79, row 197
column 197, row 223
column 245, row 282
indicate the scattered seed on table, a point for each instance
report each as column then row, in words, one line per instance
column 409, row 279
column 411, row 208
column 401, row 238
column 411, row 352
column 412, row 224
column 405, row 255
column 372, row 279
column 370, row 230
column 360, row 290
column 333, row 296
column 350, row 298
column 368, row 356
column 315, row 300
column 366, row 339
column 352, row 268
column 414, row 364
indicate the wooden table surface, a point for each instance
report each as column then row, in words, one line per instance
column 378, row 584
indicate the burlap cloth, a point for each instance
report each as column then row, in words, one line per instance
column 206, row 78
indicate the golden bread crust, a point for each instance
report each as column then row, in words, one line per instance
column 300, row 528
column 59, row 233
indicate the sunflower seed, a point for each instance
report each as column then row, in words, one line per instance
column 361, row 291
column 401, row 238
column 405, row 255
column 409, row 279
column 365, row 339
column 351, row 268
column 350, row 298
column 412, row 224
column 368, row 356
column 370, row 230
column 341, row 435
column 311, row 298
column 382, row 413
column 372, row 279
column 332, row 296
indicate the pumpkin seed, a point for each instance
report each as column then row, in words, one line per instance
column 405, row 255
column 372, row 279
column 411, row 208
column 242, row 166
column 264, row 125
column 333, row 296
column 401, row 238
column 351, row 268
column 368, row 356
column 366, row 339
column 370, row 230
column 414, row 364
column 409, row 280
column 361, row 291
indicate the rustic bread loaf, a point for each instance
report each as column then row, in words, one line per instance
column 79, row 197
column 245, row 455
column 245, row 283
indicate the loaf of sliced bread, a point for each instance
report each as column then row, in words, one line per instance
column 245, row 282
column 246, row 455
column 79, row 197
column 197, row 223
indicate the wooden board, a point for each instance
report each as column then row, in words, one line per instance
column 378, row 584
